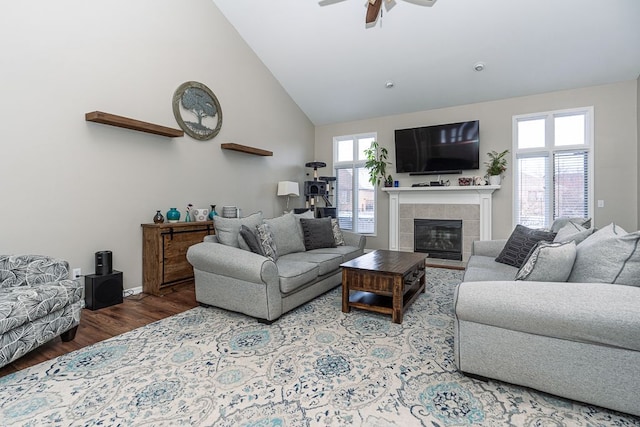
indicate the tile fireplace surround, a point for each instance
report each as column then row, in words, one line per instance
column 471, row 204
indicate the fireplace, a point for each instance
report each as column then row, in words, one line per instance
column 440, row 238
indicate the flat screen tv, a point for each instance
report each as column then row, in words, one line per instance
column 428, row 150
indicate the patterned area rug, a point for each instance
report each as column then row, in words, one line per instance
column 314, row 366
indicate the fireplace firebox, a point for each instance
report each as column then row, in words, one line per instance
column 440, row 238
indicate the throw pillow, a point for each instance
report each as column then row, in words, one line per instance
column 251, row 240
column 228, row 229
column 549, row 262
column 338, row 237
column 610, row 255
column 318, row 233
column 522, row 240
column 286, row 234
column 558, row 223
column 269, row 247
column 309, row 214
column 573, row 231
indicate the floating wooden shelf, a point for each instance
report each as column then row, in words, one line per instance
column 124, row 122
column 245, row 149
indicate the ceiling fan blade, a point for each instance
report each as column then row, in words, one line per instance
column 427, row 3
column 373, row 10
column 328, row 2
column 390, row 4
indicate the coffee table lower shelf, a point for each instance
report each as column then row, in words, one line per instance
column 382, row 303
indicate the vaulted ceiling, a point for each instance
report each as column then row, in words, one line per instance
column 337, row 69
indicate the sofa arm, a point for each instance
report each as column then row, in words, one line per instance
column 232, row 262
column 354, row 239
column 491, row 248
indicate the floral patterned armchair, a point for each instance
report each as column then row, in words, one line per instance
column 38, row 302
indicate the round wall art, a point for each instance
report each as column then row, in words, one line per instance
column 197, row 110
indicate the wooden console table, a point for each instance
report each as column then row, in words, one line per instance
column 164, row 253
column 385, row 282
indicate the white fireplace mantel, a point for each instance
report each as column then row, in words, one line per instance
column 468, row 195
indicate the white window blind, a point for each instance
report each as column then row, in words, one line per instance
column 571, row 184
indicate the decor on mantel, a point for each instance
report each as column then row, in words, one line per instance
column 288, row 189
column 376, row 163
column 197, row 99
column 496, row 166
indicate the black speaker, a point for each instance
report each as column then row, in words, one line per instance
column 102, row 290
column 104, row 262
column 315, row 188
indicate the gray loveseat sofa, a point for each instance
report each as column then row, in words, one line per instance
column 230, row 276
column 579, row 339
column 38, row 302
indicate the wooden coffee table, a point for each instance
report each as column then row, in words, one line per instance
column 383, row 281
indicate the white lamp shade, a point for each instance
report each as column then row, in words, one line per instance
column 288, row 188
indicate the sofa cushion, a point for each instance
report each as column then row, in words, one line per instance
column 549, row 262
column 294, row 274
column 520, row 243
column 581, row 312
column 573, row 231
column 480, row 268
column 286, row 234
column 317, row 233
column 228, row 229
column 24, row 304
column 558, row 223
column 610, row 255
column 347, row 252
column 338, row 237
column 251, row 239
column 327, row 263
column 269, row 247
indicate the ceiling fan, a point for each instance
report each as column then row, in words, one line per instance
column 374, row 7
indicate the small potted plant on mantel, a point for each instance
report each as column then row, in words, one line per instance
column 496, row 166
column 376, row 163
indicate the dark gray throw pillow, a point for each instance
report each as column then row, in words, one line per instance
column 251, row 240
column 522, row 240
column 317, row 233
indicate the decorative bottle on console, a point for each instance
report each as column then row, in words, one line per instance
column 158, row 218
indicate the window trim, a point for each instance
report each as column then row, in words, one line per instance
column 354, row 165
column 548, row 150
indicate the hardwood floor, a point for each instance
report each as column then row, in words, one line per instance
column 134, row 312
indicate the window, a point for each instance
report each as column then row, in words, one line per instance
column 553, row 167
column 355, row 196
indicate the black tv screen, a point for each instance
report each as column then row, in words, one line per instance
column 448, row 148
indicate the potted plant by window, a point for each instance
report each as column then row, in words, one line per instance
column 496, row 166
column 376, row 163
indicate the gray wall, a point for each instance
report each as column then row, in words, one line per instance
column 616, row 148
column 70, row 187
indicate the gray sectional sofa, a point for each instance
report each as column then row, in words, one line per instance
column 231, row 273
column 578, row 338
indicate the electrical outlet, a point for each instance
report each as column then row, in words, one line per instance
column 601, row 203
column 77, row 272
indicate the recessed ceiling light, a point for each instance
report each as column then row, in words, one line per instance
column 389, row 84
column 478, row 66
